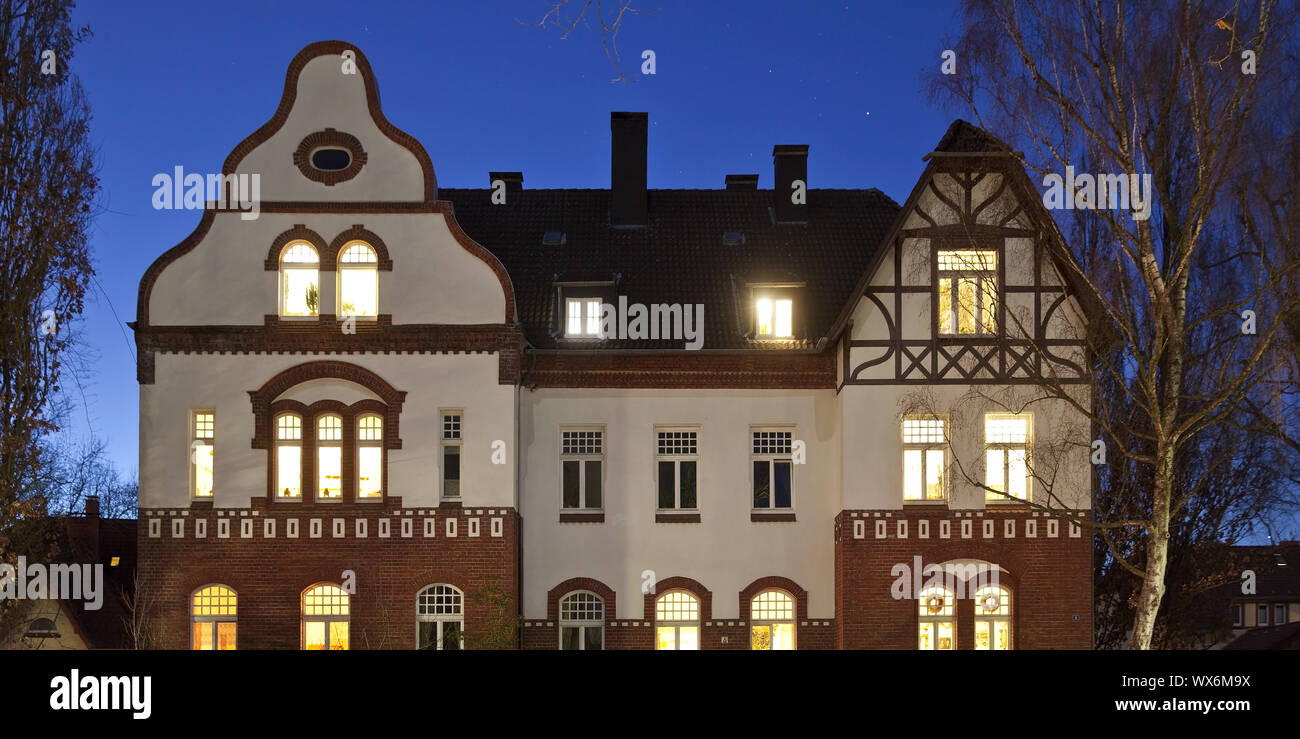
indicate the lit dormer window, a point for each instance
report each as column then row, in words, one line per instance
column 582, row 317
column 968, row 289
column 775, row 316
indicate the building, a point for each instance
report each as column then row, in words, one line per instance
column 382, row 413
column 1267, row 617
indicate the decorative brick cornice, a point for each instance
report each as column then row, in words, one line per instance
column 331, row 139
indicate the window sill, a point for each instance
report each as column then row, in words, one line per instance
column 451, row 503
column 766, row 517
column 1003, row 503
column 587, row 517
column 677, row 518
column 925, row 503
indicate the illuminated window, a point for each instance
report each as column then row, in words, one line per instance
column 358, row 280
column 325, row 613
column 370, row 457
column 451, row 442
column 968, row 290
column 582, row 621
column 329, row 457
column 775, row 317
column 677, row 621
column 937, row 618
column 1006, row 456
column 771, row 617
column 212, row 617
column 677, row 459
column 299, row 280
column 288, row 456
column 582, row 456
column 582, row 317
column 771, row 462
column 440, row 618
column 924, row 450
column 993, row 618
column 203, row 433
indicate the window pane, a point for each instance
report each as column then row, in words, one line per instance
column 688, row 637
column 1279, row 614
column 288, row 471
column 993, row 472
column 571, row 483
column 593, row 318
column 574, row 327
column 314, row 635
column 988, row 314
column 330, row 466
column 451, row 471
column 451, row 635
column 1017, row 473
column 934, row 474
column 782, row 470
column 946, row 640
column 370, row 472
column 593, row 637
column 569, row 638
column 358, row 292
column 427, row 635
column 965, row 305
column 593, row 483
column 912, row 479
column 666, row 637
column 203, row 635
column 202, row 470
column 687, row 468
column 301, row 294
column 783, row 636
column 784, row 322
column 762, row 484
column 338, row 634
column 667, row 476
column 225, row 635
column 945, row 306
column 760, row 638
column 764, row 309
column 983, row 634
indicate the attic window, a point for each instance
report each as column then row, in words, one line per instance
column 733, row 238
column 42, row 628
column 554, row 238
column 773, row 314
column 331, row 159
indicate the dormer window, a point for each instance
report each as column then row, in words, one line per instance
column 299, row 281
column 582, row 318
column 774, row 316
column 968, row 291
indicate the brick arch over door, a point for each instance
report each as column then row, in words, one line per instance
column 680, row 583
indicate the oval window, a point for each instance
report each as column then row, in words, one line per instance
column 331, row 160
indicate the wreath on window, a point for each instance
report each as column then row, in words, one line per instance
column 991, row 603
column 934, row 604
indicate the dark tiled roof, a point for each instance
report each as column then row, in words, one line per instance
column 1268, row 637
column 680, row 256
column 964, row 136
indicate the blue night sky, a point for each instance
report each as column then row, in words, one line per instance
column 180, row 84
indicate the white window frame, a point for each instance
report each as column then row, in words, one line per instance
column 197, row 440
column 282, row 308
column 441, row 619
column 678, row 625
column 772, row 623
column 1005, row 447
column 582, row 458
column 212, row 619
column 930, row 622
column 1238, row 614
column 925, row 447
column 304, row 618
column 588, row 320
column 371, row 266
column 1262, row 608
column 784, row 454
column 362, row 443
column 1279, row 614
column 281, row 442
column 1002, row 614
column 451, row 437
column 331, row 444
column 581, row 624
column 983, row 279
column 677, row 459
column 774, row 300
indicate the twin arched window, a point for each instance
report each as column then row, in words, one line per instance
column 938, row 618
column 440, row 618
column 357, row 286
column 582, row 621
column 329, row 456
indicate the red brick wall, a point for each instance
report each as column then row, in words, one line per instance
column 269, row 574
column 1050, row 577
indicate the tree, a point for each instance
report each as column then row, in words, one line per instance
column 609, row 25
column 1172, row 89
column 47, row 184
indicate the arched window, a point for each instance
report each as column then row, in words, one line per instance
column 288, row 456
column 370, row 457
column 677, row 621
column 329, row 457
column 582, row 621
column 358, row 280
column 938, row 615
column 325, row 613
column 993, row 617
column 771, row 617
column 440, row 618
column 212, row 615
column 299, row 280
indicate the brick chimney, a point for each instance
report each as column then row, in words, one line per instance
column 790, row 163
column 742, row 182
column 627, row 177
column 514, row 183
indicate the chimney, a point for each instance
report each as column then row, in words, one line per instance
column 790, row 163
column 514, row 183
column 92, row 506
column 742, row 182
column 627, row 169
